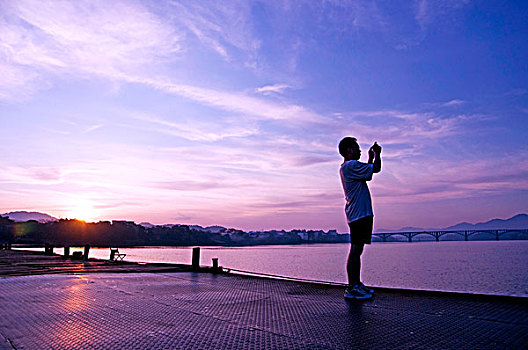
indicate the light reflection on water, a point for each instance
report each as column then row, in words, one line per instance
column 488, row 267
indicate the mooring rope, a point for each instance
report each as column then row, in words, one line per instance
column 297, row 279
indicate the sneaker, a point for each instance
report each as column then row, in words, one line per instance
column 365, row 288
column 357, row 293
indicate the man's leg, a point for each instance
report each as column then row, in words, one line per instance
column 354, row 263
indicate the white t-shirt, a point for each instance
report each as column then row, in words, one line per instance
column 354, row 177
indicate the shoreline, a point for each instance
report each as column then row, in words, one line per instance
column 102, row 246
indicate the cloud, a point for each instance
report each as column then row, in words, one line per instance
column 270, row 89
column 453, row 103
column 428, row 11
column 93, row 128
column 181, row 217
column 403, row 127
column 188, row 185
column 43, row 175
column 39, row 175
column 451, row 180
column 193, row 129
column 222, row 26
column 238, row 102
column 516, row 92
column 307, row 160
column 118, row 41
column 79, row 38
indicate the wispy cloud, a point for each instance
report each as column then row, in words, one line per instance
column 453, row 103
column 78, row 38
column 189, row 185
column 193, row 129
column 116, row 41
column 452, row 180
column 516, row 92
column 270, row 89
column 238, row 102
column 222, row 26
column 93, row 128
column 42, row 175
column 396, row 127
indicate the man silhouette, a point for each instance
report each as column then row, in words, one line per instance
column 358, row 209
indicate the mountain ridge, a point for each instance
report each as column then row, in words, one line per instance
column 519, row 221
column 22, row 215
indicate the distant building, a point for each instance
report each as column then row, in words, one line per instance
column 332, row 233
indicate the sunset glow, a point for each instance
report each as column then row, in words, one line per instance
column 229, row 113
column 83, row 210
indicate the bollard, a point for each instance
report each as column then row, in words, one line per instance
column 215, row 263
column 112, row 254
column 86, row 251
column 48, row 249
column 66, row 252
column 196, row 258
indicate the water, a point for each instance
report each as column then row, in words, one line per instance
column 487, row 267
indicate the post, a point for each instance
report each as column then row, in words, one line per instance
column 112, row 254
column 86, row 251
column 48, row 249
column 196, row 258
column 66, row 252
column 215, row 263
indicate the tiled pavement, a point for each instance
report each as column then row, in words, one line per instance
column 188, row 310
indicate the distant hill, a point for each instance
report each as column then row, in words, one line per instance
column 21, row 216
column 515, row 222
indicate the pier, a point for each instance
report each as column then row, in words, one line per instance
column 129, row 306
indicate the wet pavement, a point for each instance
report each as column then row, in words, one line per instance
column 191, row 310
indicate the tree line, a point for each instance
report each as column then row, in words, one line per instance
column 72, row 232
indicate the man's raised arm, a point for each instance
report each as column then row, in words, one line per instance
column 375, row 157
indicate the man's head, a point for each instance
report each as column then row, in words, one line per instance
column 349, row 148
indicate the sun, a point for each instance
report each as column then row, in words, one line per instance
column 83, row 209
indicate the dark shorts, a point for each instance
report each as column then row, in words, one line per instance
column 361, row 230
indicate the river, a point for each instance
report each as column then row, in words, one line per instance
column 486, row 267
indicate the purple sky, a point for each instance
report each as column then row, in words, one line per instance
column 229, row 113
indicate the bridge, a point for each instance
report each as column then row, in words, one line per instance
column 437, row 234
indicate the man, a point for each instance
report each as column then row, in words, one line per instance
column 358, row 209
